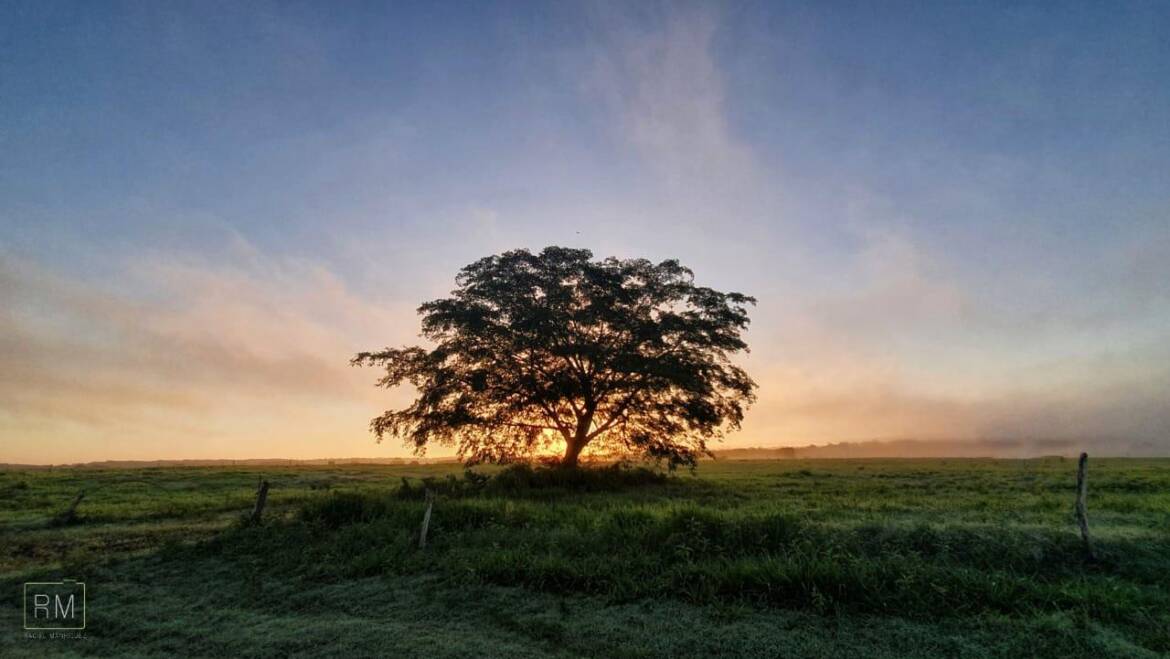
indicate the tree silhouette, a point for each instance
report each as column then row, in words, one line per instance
column 622, row 355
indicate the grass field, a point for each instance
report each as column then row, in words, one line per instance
column 866, row 558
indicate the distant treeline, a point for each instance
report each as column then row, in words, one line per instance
column 895, row 448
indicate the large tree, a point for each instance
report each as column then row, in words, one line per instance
column 626, row 356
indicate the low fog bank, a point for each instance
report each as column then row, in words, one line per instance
column 943, row 448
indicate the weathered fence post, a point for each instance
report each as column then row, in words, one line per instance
column 422, row 536
column 261, row 499
column 70, row 513
column 1082, row 514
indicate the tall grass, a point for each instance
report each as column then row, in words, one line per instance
column 552, row 531
column 943, row 542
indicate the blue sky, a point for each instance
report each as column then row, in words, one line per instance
column 956, row 217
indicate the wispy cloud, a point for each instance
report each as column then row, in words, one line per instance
column 660, row 80
column 184, row 356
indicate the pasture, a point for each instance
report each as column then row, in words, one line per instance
column 841, row 558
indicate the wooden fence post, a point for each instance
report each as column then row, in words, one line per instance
column 261, row 499
column 422, row 536
column 70, row 513
column 1082, row 513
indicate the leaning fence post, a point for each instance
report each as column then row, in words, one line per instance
column 422, row 536
column 70, row 513
column 261, row 499
column 1082, row 514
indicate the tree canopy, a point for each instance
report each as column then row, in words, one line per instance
column 624, row 356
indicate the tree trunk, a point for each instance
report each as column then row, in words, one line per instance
column 572, row 452
column 577, row 442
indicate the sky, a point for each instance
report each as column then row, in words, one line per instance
column 955, row 216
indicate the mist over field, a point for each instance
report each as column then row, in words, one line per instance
column 926, row 448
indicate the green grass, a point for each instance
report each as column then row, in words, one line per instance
column 863, row 558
